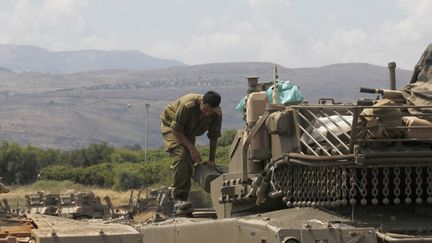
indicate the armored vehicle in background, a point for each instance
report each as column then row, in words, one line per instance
column 42, row 203
column 323, row 173
column 82, row 205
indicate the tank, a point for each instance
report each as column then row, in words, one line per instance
column 325, row 173
column 81, row 205
column 43, row 203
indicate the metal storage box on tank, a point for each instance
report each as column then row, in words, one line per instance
column 425, row 132
column 255, row 107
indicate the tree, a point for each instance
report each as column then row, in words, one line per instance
column 94, row 154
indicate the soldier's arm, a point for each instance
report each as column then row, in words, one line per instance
column 213, row 134
column 195, row 155
column 212, row 155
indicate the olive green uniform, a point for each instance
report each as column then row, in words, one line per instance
column 184, row 115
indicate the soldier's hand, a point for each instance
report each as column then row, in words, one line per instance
column 210, row 163
column 195, row 155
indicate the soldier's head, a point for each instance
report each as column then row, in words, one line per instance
column 210, row 103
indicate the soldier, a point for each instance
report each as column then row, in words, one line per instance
column 182, row 121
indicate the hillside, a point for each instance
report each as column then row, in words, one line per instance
column 73, row 110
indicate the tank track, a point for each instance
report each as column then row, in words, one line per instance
column 303, row 186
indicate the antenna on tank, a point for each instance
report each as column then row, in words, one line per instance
column 275, row 86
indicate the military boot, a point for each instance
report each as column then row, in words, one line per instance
column 182, row 205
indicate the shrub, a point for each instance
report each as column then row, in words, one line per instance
column 227, row 137
column 58, row 173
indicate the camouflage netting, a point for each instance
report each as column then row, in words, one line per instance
column 423, row 69
column 419, row 91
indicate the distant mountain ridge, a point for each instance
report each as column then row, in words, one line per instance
column 70, row 111
column 19, row 58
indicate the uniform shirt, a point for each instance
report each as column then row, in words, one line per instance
column 184, row 115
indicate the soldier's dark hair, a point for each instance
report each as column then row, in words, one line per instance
column 212, row 98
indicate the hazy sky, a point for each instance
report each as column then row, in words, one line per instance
column 293, row 33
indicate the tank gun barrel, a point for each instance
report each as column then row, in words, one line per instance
column 394, row 95
column 371, row 90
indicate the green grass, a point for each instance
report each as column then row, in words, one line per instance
column 55, row 186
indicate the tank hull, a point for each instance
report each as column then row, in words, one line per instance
column 295, row 224
column 39, row 228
